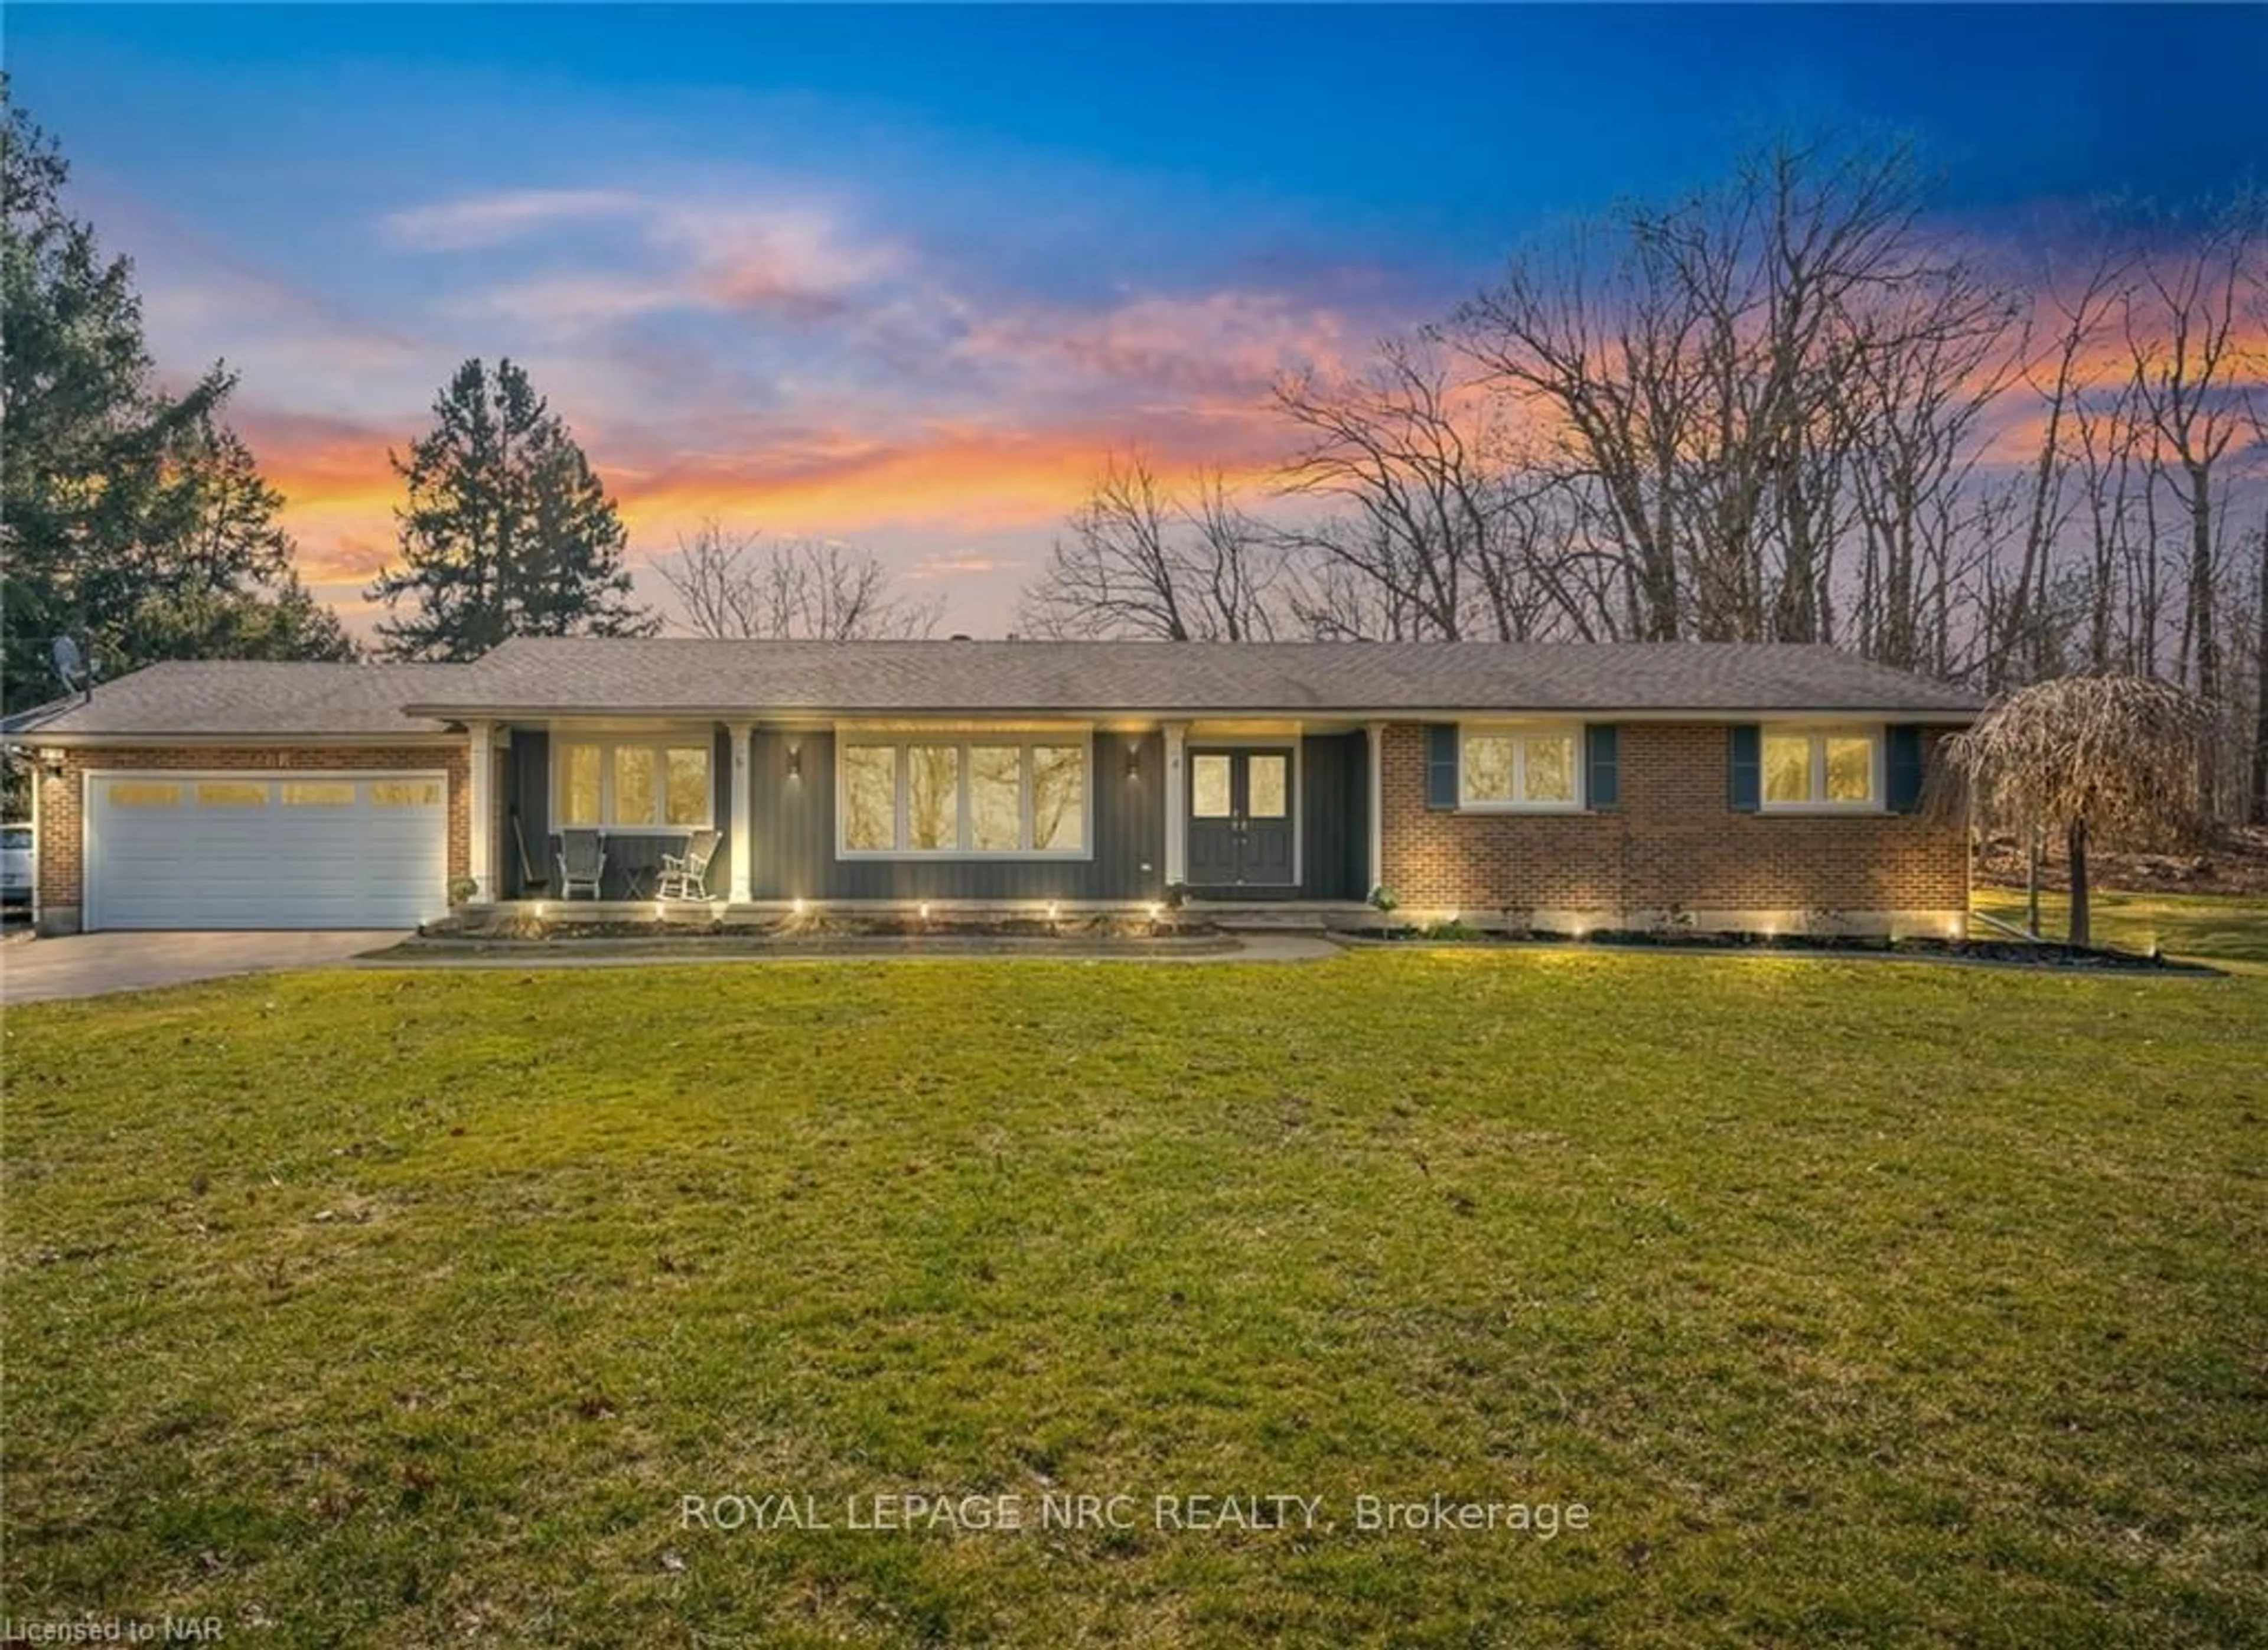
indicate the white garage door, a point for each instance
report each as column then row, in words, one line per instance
column 266, row 851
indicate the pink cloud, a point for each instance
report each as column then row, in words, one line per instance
column 487, row 220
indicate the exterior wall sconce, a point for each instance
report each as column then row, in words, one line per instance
column 51, row 763
column 795, row 762
column 1133, row 760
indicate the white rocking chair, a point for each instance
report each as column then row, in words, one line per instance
column 686, row 876
column 582, row 862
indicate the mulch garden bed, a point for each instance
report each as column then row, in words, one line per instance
column 814, row 936
column 2007, row 953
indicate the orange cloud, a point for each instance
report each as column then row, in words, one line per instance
column 958, row 475
column 969, row 480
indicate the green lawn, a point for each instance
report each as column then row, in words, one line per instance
column 1856, row 1302
column 2223, row 928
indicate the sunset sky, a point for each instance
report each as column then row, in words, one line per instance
column 903, row 277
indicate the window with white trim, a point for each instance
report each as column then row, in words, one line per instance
column 631, row 784
column 976, row 797
column 1822, row 766
column 1516, row 766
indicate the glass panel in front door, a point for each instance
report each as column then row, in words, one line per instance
column 1267, row 792
column 1209, row 787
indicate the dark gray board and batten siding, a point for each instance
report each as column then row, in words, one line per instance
column 793, row 852
column 1335, row 816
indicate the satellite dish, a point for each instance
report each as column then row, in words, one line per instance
column 72, row 666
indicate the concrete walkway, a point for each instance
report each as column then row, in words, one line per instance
column 95, row 965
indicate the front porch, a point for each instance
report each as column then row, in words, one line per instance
column 1236, row 815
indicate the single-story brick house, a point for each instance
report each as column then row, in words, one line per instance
column 1574, row 785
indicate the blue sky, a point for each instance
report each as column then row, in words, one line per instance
column 904, row 275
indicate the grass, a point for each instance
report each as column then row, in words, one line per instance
column 2216, row 927
column 1857, row 1303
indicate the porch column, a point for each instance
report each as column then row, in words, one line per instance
column 743, row 837
column 1376, row 741
column 1177, row 843
column 480, row 834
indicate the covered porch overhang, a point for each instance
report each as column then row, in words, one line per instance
column 755, row 765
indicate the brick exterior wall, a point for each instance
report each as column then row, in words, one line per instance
column 62, row 833
column 1674, row 845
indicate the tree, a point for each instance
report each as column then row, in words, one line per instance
column 507, row 531
column 134, row 519
column 283, row 622
column 1408, row 448
column 227, row 585
column 2185, row 323
column 88, row 508
column 2098, row 758
column 1145, row 560
column 730, row 585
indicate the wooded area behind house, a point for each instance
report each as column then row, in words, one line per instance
column 1790, row 408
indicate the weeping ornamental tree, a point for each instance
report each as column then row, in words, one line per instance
column 2115, row 759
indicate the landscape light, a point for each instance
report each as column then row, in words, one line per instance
column 1054, row 910
column 925, row 910
column 796, row 905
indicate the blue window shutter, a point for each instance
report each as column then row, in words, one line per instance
column 1904, row 769
column 1745, row 771
column 1603, row 779
column 1441, row 765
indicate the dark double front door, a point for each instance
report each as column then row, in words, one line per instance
column 1239, row 821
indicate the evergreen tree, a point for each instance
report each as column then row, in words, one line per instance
column 129, row 516
column 283, row 623
column 507, row 531
column 83, row 492
column 227, row 586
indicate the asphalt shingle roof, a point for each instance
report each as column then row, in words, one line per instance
column 675, row 675
column 203, row 698
column 533, row 676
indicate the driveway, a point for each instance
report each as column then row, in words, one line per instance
column 91, row 965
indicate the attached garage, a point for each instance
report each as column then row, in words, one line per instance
column 266, row 849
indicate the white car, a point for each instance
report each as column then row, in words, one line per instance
column 15, row 865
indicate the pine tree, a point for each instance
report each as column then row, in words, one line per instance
column 84, row 492
column 226, row 585
column 507, row 531
column 130, row 517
